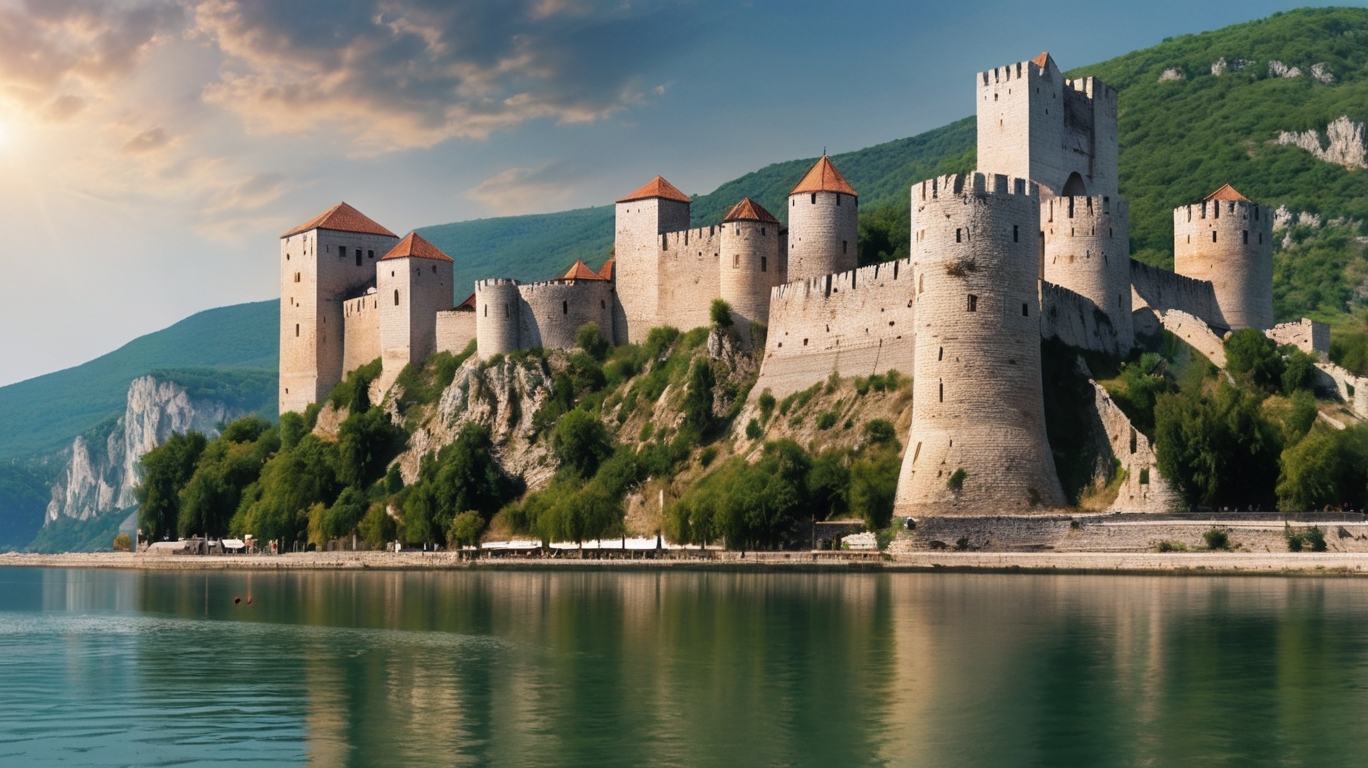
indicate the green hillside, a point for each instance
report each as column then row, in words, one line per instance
column 42, row 414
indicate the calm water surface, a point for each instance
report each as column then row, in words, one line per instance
column 708, row 669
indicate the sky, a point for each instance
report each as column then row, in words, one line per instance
column 152, row 151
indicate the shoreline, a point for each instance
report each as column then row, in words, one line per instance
column 1344, row 564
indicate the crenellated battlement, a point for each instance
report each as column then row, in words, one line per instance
column 849, row 280
column 976, row 184
column 1231, row 210
column 494, row 282
column 1080, row 209
column 695, row 237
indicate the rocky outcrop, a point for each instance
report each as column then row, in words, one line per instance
column 102, row 465
column 1343, row 143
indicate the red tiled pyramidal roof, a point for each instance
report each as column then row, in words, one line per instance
column 606, row 271
column 342, row 218
column 581, row 271
column 416, row 247
column 657, row 187
column 749, row 210
column 1226, row 192
column 823, row 177
column 468, row 305
column 1043, row 59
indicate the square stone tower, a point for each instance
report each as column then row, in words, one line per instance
column 322, row 261
column 641, row 218
column 1035, row 124
column 413, row 283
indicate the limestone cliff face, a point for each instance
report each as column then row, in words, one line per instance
column 102, row 468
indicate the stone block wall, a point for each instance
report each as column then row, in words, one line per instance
column 1307, row 335
column 498, row 316
column 858, row 323
column 1352, row 389
column 1162, row 290
column 822, row 236
column 748, row 270
column 1230, row 244
column 977, row 403
column 1144, row 489
column 1078, row 322
column 636, row 248
column 1196, row 333
column 361, row 331
column 455, row 330
column 554, row 310
column 688, row 278
column 411, row 293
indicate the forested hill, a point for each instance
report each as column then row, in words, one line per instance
column 1180, row 139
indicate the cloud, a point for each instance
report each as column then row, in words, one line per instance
column 523, row 190
column 147, row 141
column 47, row 46
column 412, row 73
column 63, row 108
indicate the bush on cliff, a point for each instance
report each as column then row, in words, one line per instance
column 1215, row 445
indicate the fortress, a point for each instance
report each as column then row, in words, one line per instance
column 1033, row 245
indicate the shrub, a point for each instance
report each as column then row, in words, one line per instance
column 1216, row 539
column 880, row 432
column 581, row 441
column 589, row 338
column 465, row 529
column 1312, row 538
column 1169, row 546
column 123, row 543
column 893, row 378
column 826, row 420
column 766, row 403
column 1252, row 356
column 1218, row 448
column 1298, row 368
column 753, row 430
column 706, row 456
column 956, row 481
column 377, row 527
column 720, row 313
column 698, row 402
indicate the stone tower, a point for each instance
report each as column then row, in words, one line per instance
column 1229, row 240
column 322, row 261
column 978, row 442
column 642, row 218
column 749, row 264
column 823, row 215
column 498, row 316
column 413, row 283
column 1034, row 124
column 1087, row 250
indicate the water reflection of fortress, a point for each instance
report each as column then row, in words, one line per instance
column 1034, row 244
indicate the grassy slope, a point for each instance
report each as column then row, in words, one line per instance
column 41, row 414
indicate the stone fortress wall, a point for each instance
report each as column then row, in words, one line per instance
column 1229, row 243
column 857, row 323
column 552, row 311
column 823, row 234
column 749, row 268
column 687, row 274
column 1075, row 320
column 361, row 330
column 1307, row 335
column 455, row 329
column 411, row 290
column 498, row 316
column 1162, row 290
column 637, row 245
column 977, row 403
column 1087, row 251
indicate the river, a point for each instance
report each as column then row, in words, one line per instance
column 586, row 668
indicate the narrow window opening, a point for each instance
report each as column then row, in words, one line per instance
column 1213, row 235
column 370, row 254
column 1260, row 238
column 565, row 307
column 1024, row 311
column 940, row 355
column 1246, row 237
column 396, row 297
column 1016, row 233
column 838, row 198
column 921, row 283
column 486, row 310
column 762, row 231
column 814, row 198
column 764, row 263
column 942, row 390
column 959, row 235
column 973, row 303
column 296, row 329
column 296, row 277
column 505, row 310
column 736, row 261
column 603, row 304
column 341, row 251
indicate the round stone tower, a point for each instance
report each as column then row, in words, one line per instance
column 823, row 216
column 497, row 316
column 977, row 444
column 1228, row 240
column 1087, row 250
column 748, row 264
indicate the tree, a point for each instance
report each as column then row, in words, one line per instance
column 874, row 486
column 1217, row 447
column 166, row 469
column 465, row 529
column 276, row 506
column 698, row 401
column 377, row 528
column 589, row 338
column 1328, row 467
column 1251, row 356
column 364, row 444
column 1298, row 369
column 581, row 442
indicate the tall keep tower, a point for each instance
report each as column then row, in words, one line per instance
column 642, row 217
column 414, row 283
column 1229, row 240
column 749, row 264
column 1035, row 124
column 1087, row 250
column 321, row 262
column 978, row 442
column 824, row 216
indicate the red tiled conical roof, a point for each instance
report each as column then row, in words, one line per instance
column 415, row 246
column 342, row 218
column 581, row 271
column 657, row 187
column 1226, row 192
column 606, row 271
column 823, row 177
column 749, row 210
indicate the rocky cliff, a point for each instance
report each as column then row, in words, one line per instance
column 102, row 464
